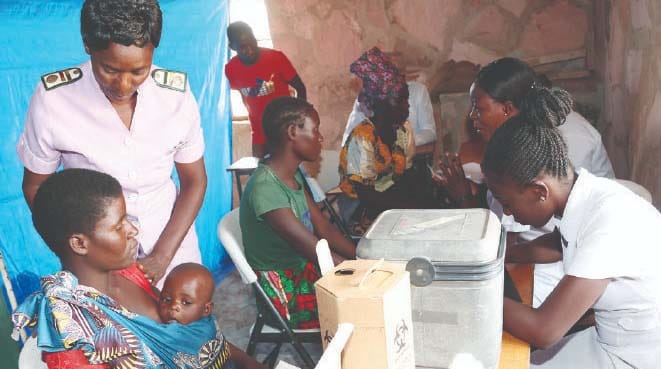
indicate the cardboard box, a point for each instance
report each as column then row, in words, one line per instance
column 374, row 296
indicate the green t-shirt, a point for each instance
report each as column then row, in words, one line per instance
column 264, row 192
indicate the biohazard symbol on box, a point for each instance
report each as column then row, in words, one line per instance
column 327, row 336
column 401, row 335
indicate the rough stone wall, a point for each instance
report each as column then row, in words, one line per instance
column 322, row 37
column 632, row 89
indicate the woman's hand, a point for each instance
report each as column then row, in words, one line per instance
column 193, row 184
column 452, row 177
column 154, row 266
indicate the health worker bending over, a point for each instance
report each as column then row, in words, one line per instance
column 121, row 115
column 607, row 239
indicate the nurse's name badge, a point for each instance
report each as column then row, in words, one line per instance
column 61, row 78
column 171, row 79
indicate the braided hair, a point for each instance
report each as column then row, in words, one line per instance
column 530, row 143
column 281, row 113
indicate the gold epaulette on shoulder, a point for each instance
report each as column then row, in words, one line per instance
column 61, row 78
column 171, row 79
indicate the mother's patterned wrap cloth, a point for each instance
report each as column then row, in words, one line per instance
column 69, row 316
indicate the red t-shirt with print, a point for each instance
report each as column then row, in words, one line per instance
column 272, row 65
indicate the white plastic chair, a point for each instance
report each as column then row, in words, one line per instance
column 636, row 188
column 328, row 176
column 229, row 233
column 13, row 304
column 324, row 257
column 30, row 356
column 332, row 356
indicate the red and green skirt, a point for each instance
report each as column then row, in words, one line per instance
column 291, row 291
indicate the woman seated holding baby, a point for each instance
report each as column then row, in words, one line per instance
column 279, row 220
column 100, row 311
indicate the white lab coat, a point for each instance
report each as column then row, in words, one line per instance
column 609, row 232
column 585, row 150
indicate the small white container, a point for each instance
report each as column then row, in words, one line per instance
column 455, row 257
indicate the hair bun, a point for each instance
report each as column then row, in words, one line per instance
column 546, row 106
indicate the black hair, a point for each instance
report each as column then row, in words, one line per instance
column 549, row 105
column 280, row 113
column 507, row 79
column 71, row 201
column 125, row 22
column 530, row 143
column 237, row 28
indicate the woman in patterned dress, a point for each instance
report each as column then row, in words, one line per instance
column 376, row 159
column 100, row 311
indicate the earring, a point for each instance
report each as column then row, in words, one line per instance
column 542, row 198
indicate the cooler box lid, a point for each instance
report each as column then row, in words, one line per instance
column 445, row 236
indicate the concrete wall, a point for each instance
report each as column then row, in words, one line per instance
column 322, row 37
column 631, row 70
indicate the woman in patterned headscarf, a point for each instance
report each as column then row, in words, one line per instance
column 375, row 159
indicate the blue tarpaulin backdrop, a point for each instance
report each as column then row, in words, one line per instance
column 42, row 36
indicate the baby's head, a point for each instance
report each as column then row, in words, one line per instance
column 186, row 295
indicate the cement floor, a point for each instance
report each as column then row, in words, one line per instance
column 235, row 310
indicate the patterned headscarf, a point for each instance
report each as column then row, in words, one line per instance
column 381, row 79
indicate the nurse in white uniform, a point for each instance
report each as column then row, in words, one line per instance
column 607, row 238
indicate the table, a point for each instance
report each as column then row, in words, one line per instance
column 514, row 353
column 243, row 167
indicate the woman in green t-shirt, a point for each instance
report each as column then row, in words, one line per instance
column 280, row 222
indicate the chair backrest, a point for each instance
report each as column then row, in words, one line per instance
column 318, row 194
column 229, row 233
column 332, row 356
column 324, row 257
column 636, row 188
column 30, row 356
column 328, row 176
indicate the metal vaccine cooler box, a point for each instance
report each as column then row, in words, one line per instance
column 455, row 258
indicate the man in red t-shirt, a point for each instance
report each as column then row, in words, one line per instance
column 261, row 75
